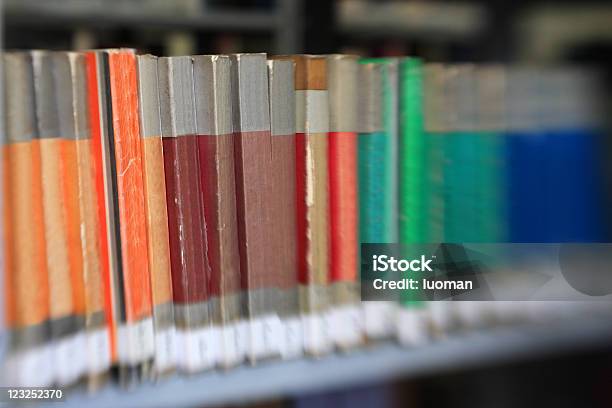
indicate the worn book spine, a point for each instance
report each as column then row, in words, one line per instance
column 345, row 312
column 101, row 340
column 252, row 148
column 436, row 124
column 215, row 138
column 412, row 316
column 105, row 171
column 94, row 340
column 189, row 256
column 282, row 206
column 71, row 331
column 6, row 261
column 135, row 337
column 156, row 215
column 312, row 185
column 375, row 215
column 491, row 203
column 51, row 148
column 462, row 218
column 31, row 357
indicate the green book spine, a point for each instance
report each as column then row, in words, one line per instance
column 412, row 148
column 412, row 167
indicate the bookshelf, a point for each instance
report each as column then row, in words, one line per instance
column 442, row 20
column 281, row 21
column 378, row 362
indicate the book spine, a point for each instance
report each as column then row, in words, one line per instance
column 68, row 329
column 189, row 259
column 412, row 316
column 102, row 340
column 436, row 123
column 27, row 283
column 6, row 262
column 50, row 147
column 96, row 346
column 214, row 129
column 312, row 186
column 103, row 145
column 136, row 338
column 251, row 118
column 156, row 215
column 491, row 204
column 374, row 176
column 282, row 208
column 342, row 74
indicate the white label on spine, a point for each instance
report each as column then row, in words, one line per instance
column 79, row 354
column 411, row 326
column 136, row 342
column 316, row 334
column 70, row 358
column 440, row 312
column 311, row 111
column 165, row 349
column 347, row 330
column 242, row 338
column 273, row 331
column 294, row 338
column 265, row 332
column 471, row 313
column 98, row 351
column 200, row 348
column 230, row 355
column 31, row 368
column 379, row 319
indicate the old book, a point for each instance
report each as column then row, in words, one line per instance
column 412, row 315
column 104, row 169
column 101, row 340
column 189, row 260
column 375, row 182
column 215, row 138
column 436, row 126
column 462, row 169
column 78, row 198
column 282, row 206
column 156, row 215
column 135, row 334
column 312, row 189
column 66, row 325
column 30, row 359
column 491, row 170
column 383, row 153
column 252, row 149
column 345, row 313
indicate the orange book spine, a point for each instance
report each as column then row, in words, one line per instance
column 137, row 334
column 99, row 176
column 28, row 304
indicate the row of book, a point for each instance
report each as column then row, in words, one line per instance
column 196, row 212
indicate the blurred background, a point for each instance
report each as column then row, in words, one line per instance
column 546, row 34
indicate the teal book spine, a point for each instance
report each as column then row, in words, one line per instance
column 378, row 154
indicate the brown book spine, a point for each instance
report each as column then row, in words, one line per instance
column 216, row 156
column 252, row 149
column 282, row 204
column 189, row 255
